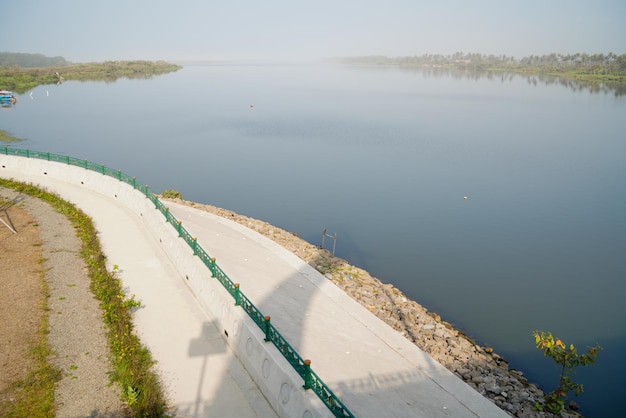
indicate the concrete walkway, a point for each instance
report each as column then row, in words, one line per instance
column 202, row 376
column 373, row 369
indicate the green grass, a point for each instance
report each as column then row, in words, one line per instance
column 578, row 75
column 132, row 362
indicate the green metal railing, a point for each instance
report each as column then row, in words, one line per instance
column 302, row 367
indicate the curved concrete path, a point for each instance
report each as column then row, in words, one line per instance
column 373, row 369
column 202, row 376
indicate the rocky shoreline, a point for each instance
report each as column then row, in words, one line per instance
column 480, row 367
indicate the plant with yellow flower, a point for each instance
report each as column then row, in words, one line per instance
column 568, row 358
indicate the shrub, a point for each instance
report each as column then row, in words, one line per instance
column 568, row 358
column 172, row 194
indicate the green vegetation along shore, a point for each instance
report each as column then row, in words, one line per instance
column 590, row 69
column 582, row 66
column 20, row 79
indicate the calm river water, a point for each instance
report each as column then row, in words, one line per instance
column 384, row 158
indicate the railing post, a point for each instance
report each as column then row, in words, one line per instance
column 212, row 268
column 237, row 296
column 195, row 246
column 134, row 182
column 267, row 328
column 67, row 159
column 308, row 382
column 119, row 174
column 48, row 155
column 27, row 153
column 178, row 228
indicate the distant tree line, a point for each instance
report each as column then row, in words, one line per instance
column 23, row 60
column 609, row 66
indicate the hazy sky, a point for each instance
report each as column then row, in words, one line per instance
column 97, row 30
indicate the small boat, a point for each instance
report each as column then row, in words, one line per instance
column 7, row 96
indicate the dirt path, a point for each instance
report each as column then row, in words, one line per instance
column 76, row 333
column 21, row 297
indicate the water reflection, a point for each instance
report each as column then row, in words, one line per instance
column 606, row 87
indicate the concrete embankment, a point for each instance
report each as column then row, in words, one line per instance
column 480, row 367
column 374, row 370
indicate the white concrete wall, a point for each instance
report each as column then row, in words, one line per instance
column 275, row 377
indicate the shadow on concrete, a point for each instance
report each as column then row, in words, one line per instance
column 203, row 346
column 416, row 387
